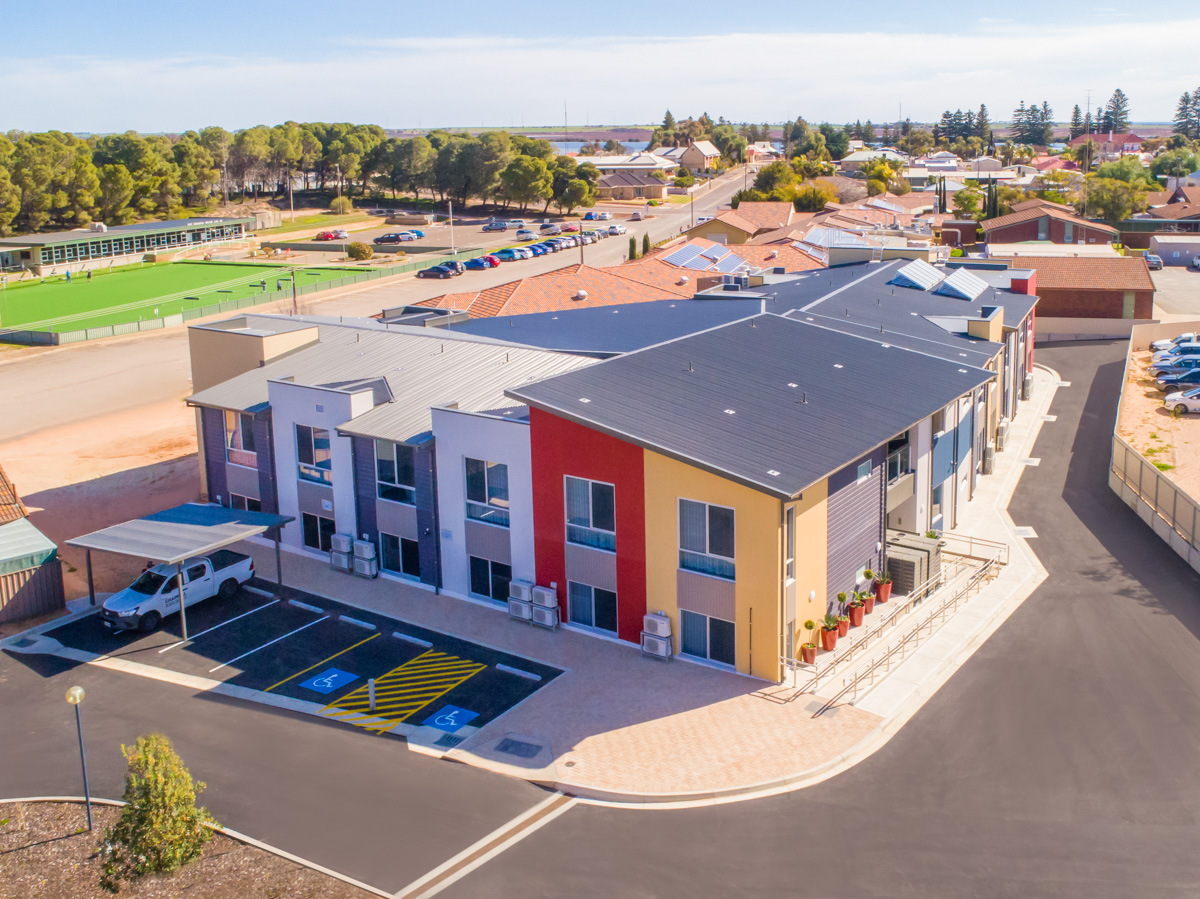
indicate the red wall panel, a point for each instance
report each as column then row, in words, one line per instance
column 560, row 448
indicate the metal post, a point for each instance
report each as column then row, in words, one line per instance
column 91, row 583
column 371, row 693
column 179, row 586
column 450, row 206
column 87, row 792
column 278, row 567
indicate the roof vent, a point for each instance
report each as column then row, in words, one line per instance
column 774, row 254
column 580, row 295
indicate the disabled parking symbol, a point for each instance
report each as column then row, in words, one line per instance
column 329, row 680
column 450, row 718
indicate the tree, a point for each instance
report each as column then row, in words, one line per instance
column 576, row 193
column 1116, row 113
column 773, row 176
column 967, row 202
column 1186, row 122
column 1128, row 169
column 668, row 124
column 983, row 127
column 812, row 196
column 645, row 243
column 1112, row 200
column 359, row 251
column 161, row 829
column 116, row 189
column 1076, row 127
column 1174, row 162
column 1085, row 154
column 632, row 247
column 341, row 206
column 526, row 180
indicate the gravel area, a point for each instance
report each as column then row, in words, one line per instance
column 46, row 852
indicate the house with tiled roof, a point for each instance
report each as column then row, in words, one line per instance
column 571, row 287
column 750, row 219
column 1039, row 203
column 1110, row 146
column 644, row 163
column 1047, row 224
column 1175, row 212
column 1090, row 286
column 630, row 186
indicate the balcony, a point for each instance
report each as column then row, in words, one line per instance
column 583, row 536
column 242, row 457
column 487, row 514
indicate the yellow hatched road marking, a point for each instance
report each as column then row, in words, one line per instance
column 403, row 691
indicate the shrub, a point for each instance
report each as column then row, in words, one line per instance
column 360, row 251
column 341, row 206
column 645, row 244
column 161, row 829
column 632, row 247
column 956, row 252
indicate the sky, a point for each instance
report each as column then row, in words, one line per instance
column 117, row 65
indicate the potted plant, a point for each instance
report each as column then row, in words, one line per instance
column 855, row 610
column 883, row 586
column 808, row 651
column 868, row 595
column 829, row 632
column 843, row 625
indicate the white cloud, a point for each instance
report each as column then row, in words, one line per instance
column 478, row 80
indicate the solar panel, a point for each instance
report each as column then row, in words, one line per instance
column 964, row 285
column 918, row 274
column 730, row 263
column 890, row 207
column 699, row 263
column 715, row 252
column 683, row 255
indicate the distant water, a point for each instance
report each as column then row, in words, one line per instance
column 573, row 146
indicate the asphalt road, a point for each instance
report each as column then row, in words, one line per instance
column 1063, row 759
column 1177, row 290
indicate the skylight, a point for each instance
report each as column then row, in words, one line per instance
column 964, row 285
column 918, row 275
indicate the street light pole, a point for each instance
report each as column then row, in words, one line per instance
column 75, row 697
column 450, row 206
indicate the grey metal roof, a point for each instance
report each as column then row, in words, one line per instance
column 422, row 367
column 178, row 534
column 772, row 402
column 54, row 237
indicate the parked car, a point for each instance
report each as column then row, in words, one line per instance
column 516, row 223
column 416, row 233
column 496, row 226
column 479, row 262
column 588, row 236
column 326, row 235
column 591, row 216
column 636, row 217
column 604, row 216
column 1183, row 401
column 601, row 233
column 494, row 260
column 616, row 229
column 1154, row 263
column 508, row 254
column 570, row 226
column 524, row 252
column 340, row 234
column 1186, row 337
column 1174, row 366
column 551, row 246
column 387, row 239
column 704, row 218
column 550, row 229
column 457, row 267
column 536, row 249
column 526, row 234
column 1195, row 263
column 1182, row 381
column 1181, row 349
column 437, row 271
column 155, row 594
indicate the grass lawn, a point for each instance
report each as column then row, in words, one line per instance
column 320, row 222
column 139, row 293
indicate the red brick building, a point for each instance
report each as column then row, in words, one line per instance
column 1045, row 223
column 1090, row 286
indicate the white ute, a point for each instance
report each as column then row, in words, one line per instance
column 147, row 601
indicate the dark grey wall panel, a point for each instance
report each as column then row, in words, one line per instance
column 364, row 488
column 213, row 424
column 856, row 513
column 264, row 444
column 428, row 538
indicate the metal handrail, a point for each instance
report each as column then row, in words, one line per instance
column 991, row 548
column 913, row 636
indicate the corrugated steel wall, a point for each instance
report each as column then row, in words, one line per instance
column 364, row 488
column 213, row 422
column 34, row 591
column 855, row 522
column 425, row 461
column 264, row 444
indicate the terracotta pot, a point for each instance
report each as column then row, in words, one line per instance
column 829, row 639
column 883, row 592
column 856, row 615
column 843, row 626
column 868, row 599
column 808, row 653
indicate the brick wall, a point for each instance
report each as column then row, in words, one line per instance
column 1059, row 303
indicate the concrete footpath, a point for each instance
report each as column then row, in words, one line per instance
column 618, row 728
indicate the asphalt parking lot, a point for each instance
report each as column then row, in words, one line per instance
column 322, row 652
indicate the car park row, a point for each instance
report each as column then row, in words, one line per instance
column 543, row 247
column 1175, row 366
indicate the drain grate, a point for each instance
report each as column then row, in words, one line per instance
column 519, row 748
column 1025, row 532
column 24, row 641
column 448, row 741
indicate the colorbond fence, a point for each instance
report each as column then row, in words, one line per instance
column 52, row 338
column 1172, row 512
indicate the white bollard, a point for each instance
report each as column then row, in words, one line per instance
column 371, row 693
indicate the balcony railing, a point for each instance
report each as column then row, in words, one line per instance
column 242, row 457
column 591, row 537
column 897, row 464
column 705, row 564
column 315, row 474
column 487, row 514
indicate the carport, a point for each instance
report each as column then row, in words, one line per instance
column 173, row 536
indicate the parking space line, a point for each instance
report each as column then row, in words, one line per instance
column 403, row 691
column 320, row 663
column 265, row 645
column 214, row 627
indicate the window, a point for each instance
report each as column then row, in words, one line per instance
column 244, row 503
column 789, row 547
column 313, row 454
column 706, row 541
column 399, row 555
column 490, row 579
column 394, row 468
column 318, row 531
column 1068, row 235
column 195, row 572
column 935, row 503
column 707, row 638
column 487, row 492
column 939, row 421
column 591, row 513
column 592, row 606
column 239, row 439
column 864, row 471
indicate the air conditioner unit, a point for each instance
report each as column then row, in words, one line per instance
column 339, row 560
column 659, row 647
column 364, row 549
column 342, row 543
column 366, row 567
column 656, row 624
column 1001, row 436
column 520, row 590
column 1027, row 388
column 519, row 609
column 544, row 597
column 545, row 617
column 989, row 459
